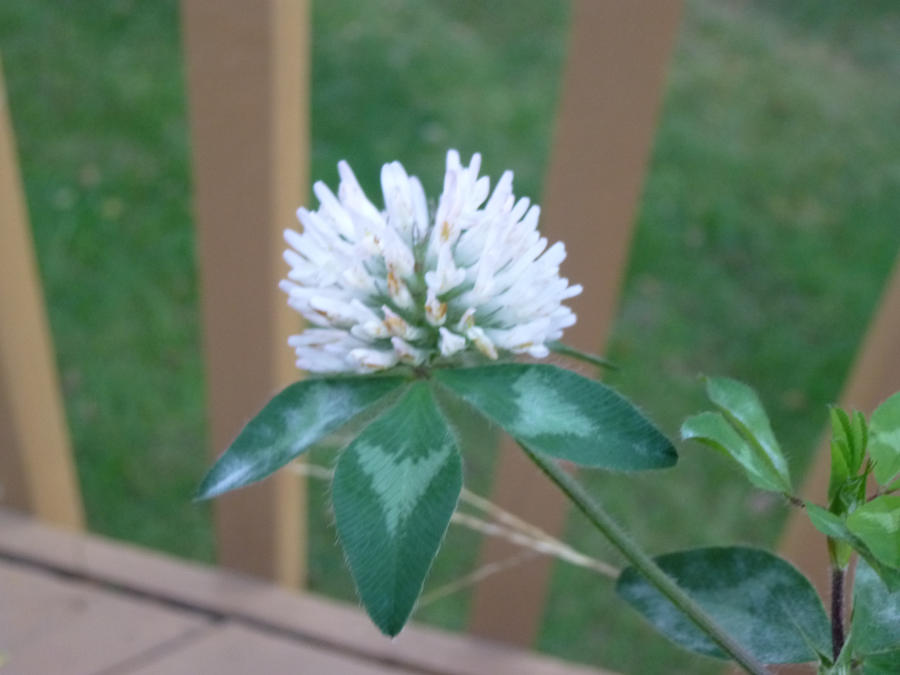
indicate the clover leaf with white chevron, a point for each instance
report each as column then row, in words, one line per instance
column 302, row 414
column 560, row 414
column 397, row 483
column 394, row 490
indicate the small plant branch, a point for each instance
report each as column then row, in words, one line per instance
column 893, row 485
column 644, row 564
column 794, row 500
column 539, row 540
column 508, row 526
column 577, row 354
column 501, row 515
column 837, row 611
column 475, row 577
column 543, row 546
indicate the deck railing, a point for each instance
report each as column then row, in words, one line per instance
column 248, row 80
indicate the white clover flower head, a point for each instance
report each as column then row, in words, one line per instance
column 405, row 286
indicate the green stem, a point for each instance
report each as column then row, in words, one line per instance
column 644, row 564
column 571, row 352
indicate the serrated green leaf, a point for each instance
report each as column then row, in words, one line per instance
column 712, row 429
column 884, row 444
column 860, row 440
column 559, row 413
column 875, row 626
column 877, row 524
column 840, row 470
column 862, row 484
column 840, row 423
column 302, row 414
column 395, row 488
column 759, row 599
column 743, row 409
column 843, row 459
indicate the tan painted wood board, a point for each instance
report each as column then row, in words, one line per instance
column 247, row 73
column 238, row 597
column 604, row 131
column 52, row 626
column 36, row 466
column 238, row 650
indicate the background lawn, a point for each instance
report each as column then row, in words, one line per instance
column 768, row 224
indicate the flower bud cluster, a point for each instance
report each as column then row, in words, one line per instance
column 405, row 286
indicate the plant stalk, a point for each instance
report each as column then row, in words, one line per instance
column 644, row 564
column 837, row 611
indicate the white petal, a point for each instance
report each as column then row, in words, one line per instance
column 352, row 195
column 467, row 320
column 420, row 209
column 482, row 342
column 398, row 326
column 370, row 360
column 447, row 276
column 398, row 201
column 435, row 310
column 398, row 290
column 539, row 351
column 406, row 353
column 450, row 343
column 333, row 210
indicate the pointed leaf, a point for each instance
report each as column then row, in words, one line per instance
column 559, row 413
column 840, row 471
column 762, row 601
column 742, row 407
column 875, row 625
column 834, row 526
column 859, row 438
column 395, row 488
column 884, row 445
column 840, row 424
column 877, row 524
column 828, row 523
column 302, row 414
column 712, row 429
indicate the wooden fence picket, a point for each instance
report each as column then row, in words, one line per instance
column 37, row 472
column 247, row 66
column 248, row 84
column 607, row 117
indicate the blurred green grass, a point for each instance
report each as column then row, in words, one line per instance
column 767, row 226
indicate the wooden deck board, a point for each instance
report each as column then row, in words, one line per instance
column 237, row 650
column 51, row 626
column 214, row 594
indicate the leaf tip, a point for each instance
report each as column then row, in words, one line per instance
column 206, row 491
column 392, row 627
column 669, row 454
column 216, row 482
